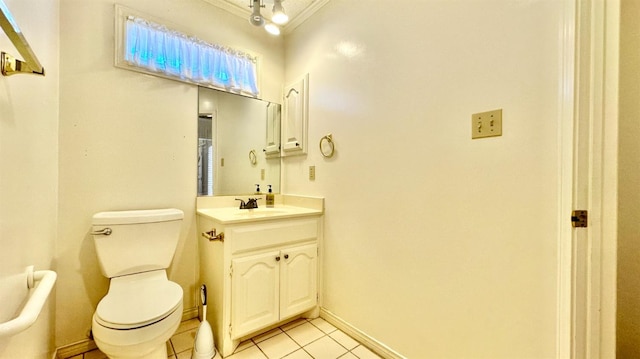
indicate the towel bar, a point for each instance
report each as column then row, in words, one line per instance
column 32, row 309
column 8, row 64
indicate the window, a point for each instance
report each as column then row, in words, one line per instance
column 155, row 49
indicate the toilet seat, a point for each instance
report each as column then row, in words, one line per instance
column 138, row 300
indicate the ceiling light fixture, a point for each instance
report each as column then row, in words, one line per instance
column 279, row 16
column 256, row 18
column 272, row 29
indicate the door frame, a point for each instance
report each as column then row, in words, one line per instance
column 588, row 171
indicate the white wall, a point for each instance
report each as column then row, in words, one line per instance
column 435, row 244
column 129, row 140
column 628, row 315
column 29, row 174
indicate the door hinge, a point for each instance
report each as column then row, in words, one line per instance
column 579, row 218
column 231, row 270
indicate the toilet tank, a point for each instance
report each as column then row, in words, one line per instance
column 137, row 241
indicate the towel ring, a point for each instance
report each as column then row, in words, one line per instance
column 329, row 152
column 252, row 157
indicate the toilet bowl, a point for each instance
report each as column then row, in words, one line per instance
column 138, row 316
column 142, row 308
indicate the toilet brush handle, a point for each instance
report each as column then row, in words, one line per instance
column 203, row 296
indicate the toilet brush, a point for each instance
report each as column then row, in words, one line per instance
column 203, row 347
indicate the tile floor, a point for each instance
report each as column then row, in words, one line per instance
column 300, row 339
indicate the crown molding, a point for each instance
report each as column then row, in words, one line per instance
column 229, row 7
column 304, row 15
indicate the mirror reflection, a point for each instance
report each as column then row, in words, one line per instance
column 238, row 144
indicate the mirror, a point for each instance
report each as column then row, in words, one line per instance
column 238, row 144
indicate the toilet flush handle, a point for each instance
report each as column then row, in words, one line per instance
column 103, row 232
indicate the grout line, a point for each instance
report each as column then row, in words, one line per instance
column 298, row 344
column 351, row 351
column 309, row 354
column 173, row 349
column 334, row 327
column 260, row 349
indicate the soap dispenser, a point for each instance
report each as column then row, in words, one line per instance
column 270, row 198
column 258, row 188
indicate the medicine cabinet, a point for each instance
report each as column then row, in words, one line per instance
column 296, row 118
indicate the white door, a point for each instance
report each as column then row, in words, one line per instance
column 298, row 280
column 254, row 292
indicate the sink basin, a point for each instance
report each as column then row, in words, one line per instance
column 236, row 215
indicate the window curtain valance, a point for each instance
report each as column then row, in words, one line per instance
column 155, row 48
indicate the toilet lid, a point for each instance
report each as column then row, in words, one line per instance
column 137, row 300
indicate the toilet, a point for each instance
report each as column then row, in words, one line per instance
column 142, row 309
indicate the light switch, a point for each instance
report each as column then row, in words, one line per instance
column 486, row 124
column 312, row 173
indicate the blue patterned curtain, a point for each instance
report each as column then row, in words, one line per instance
column 155, row 48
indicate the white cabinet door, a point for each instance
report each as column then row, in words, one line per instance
column 294, row 125
column 298, row 280
column 254, row 292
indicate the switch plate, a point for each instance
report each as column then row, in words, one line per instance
column 262, row 174
column 486, row 124
column 312, row 173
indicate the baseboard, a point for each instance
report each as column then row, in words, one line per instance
column 87, row 345
column 71, row 350
column 191, row 313
column 362, row 337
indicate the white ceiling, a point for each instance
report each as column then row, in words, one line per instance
column 298, row 10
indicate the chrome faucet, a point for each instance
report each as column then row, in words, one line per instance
column 250, row 204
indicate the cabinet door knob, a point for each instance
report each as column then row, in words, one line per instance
column 286, row 256
column 278, row 259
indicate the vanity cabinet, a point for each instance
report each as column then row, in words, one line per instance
column 262, row 273
column 268, row 287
